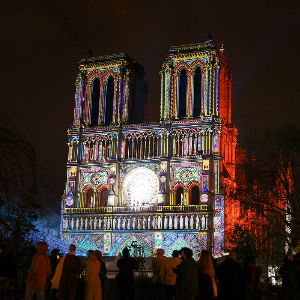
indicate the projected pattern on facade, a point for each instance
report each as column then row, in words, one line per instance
column 150, row 185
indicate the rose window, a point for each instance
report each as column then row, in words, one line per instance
column 140, row 187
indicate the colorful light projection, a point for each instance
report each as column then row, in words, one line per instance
column 159, row 180
column 218, row 237
column 186, row 172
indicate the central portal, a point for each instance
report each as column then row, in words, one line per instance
column 140, row 187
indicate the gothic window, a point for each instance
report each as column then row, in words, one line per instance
column 179, row 196
column 130, row 148
column 127, row 154
column 197, row 93
column 83, row 103
column 151, row 147
column 89, row 195
column 95, row 102
column 146, row 149
column 182, row 93
column 194, row 195
column 109, row 101
column 180, row 151
column 135, row 147
column 208, row 96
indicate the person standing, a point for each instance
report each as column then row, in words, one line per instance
column 207, row 277
column 38, row 274
column 125, row 277
column 103, row 270
column 187, row 277
column 230, row 276
column 70, row 275
column 251, row 278
column 54, row 260
column 159, row 266
column 92, row 279
column 170, row 280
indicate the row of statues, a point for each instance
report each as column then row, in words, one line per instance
column 90, row 151
column 138, row 148
column 146, row 222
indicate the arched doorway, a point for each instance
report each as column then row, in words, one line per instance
column 103, row 197
column 89, row 195
column 179, row 196
column 195, row 195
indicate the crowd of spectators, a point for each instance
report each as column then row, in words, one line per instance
column 179, row 277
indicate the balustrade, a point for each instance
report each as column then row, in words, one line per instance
column 144, row 145
column 98, row 150
column 186, row 143
column 137, row 222
column 120, row 209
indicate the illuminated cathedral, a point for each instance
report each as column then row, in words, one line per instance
column 149, row 185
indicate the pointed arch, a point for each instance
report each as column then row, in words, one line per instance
column 95, row 102
column 82, row 88
column 197, row 92
column 102, row 196
column 109, row 101
column 182, row 65
column 88, row 196
column 92, row 76
column 194, row 194
column 179, row 194
column 109, row 73
column 182, row 93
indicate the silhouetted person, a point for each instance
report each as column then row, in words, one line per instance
column 187, row 276
column 54, row 259
column 125, row 277
column 92, row 278
column 70, row 275
column 38, row 274
column 170, row 280
column 103, row 270
column 231, row 278
column 251, row 276
column 207, row 277
column 159, row 266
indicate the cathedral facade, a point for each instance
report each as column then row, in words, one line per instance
column 150, row 185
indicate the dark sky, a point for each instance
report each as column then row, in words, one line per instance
column 41, row 44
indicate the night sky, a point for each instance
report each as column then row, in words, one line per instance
column 41, row 45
